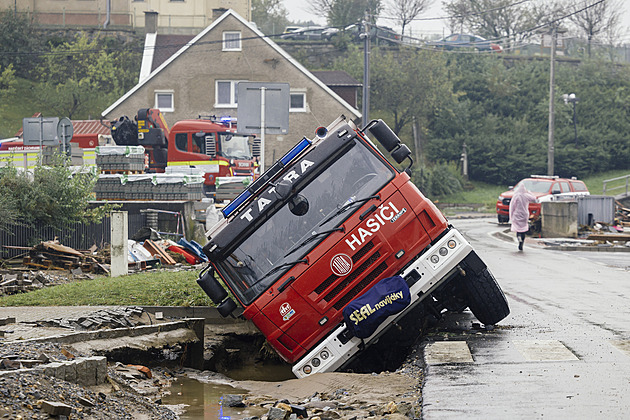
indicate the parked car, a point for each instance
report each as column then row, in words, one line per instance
column 378, row 34
column 312, row 33
column 462, row 41
column 290, row 29
column 545, row 188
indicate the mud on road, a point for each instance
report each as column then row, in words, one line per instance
column 127, row 391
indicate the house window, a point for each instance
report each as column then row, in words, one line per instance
column 226, row 93
column 232, row 41
column 164, row 101
column 297, row 102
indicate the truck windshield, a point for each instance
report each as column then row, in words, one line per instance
column 283, row 239
column 235, row 146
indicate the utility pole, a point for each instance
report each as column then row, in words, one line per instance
column 550, row 145
column 366, row 69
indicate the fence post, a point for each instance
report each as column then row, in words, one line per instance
column 119, row 243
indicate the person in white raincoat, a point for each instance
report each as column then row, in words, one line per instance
column 519, row 213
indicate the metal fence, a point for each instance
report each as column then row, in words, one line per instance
column 80, row 236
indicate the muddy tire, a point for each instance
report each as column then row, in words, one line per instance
column 485, row 298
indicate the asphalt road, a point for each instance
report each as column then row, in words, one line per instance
column 562, row 353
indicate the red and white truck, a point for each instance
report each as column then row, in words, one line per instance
column 210, row 144
column 328, row 226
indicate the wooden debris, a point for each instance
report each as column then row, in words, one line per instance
column 158, row 252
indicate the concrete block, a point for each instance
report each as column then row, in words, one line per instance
column 101, row 368
column 559, row 219
column 70, row 371
column 86, row 372
column 55, row 370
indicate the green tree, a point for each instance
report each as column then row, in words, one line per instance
column 270, row 16
column 7, row 85
column 80, row 78
column 18, row 42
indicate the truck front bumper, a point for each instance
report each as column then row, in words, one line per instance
column 432, row 269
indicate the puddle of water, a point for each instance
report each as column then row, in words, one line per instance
column 268, row 372
column 202, row 400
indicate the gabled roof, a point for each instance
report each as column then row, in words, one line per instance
column 272, row 44
column 336, row 78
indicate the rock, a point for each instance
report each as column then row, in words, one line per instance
column 276, row 413
column 390, row 408
column 56, row 408
column 233, row 400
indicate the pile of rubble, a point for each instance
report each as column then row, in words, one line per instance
column 622, row 214
column 15, row 281
column 107, row 318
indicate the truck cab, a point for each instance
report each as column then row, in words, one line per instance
column 210, row 144
column 324, row 226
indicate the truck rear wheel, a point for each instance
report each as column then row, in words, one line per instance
column 485, row 298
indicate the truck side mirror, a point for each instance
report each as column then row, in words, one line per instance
column 401, row 153
column 211, row 286
column 226, row 307
column 555, row 191
column 383, row 134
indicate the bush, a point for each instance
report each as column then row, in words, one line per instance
column 439, row 180
column 54, row 195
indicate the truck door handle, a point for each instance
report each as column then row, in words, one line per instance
column 368, row 211
column 286, row 284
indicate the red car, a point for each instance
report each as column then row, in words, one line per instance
column 545, row 188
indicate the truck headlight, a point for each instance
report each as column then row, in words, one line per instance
column 443, row 251
column 434, row 259
column 307, row 369
column 316, row 362
column 324, row 354
column 452, row 244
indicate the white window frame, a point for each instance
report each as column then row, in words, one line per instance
column 233, row 91
column 227, row 43
column 297, row 92
column 165, row 92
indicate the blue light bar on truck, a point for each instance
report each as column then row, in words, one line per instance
column 266, row 176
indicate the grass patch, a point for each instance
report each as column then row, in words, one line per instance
column 475, row 193
column 595, row 183
column 160, row 288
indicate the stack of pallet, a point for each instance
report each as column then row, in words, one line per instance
column 229, row 187
column 120, row 159
column 162, row 187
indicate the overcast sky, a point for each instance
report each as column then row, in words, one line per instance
column 429, row 25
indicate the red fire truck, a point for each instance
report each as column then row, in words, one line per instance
column 333, row 244
column 210, row 144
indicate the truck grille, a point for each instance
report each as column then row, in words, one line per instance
column 358, row 271
column 332, row 278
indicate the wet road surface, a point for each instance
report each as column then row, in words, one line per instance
column 563, row 352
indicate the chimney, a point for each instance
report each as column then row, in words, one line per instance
column 150, row 22
column 217, row 13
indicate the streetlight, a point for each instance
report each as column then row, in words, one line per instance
column 572, row 99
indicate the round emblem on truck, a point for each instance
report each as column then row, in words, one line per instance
column 341, row 265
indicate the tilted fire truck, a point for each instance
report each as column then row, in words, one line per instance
column 210, row 144
column 333, row 244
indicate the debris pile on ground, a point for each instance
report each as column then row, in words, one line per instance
column 53, row 255
column 16, row 281
column 622, row 214
column 107, row 318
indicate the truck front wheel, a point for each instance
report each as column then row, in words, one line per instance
column 485, row 298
